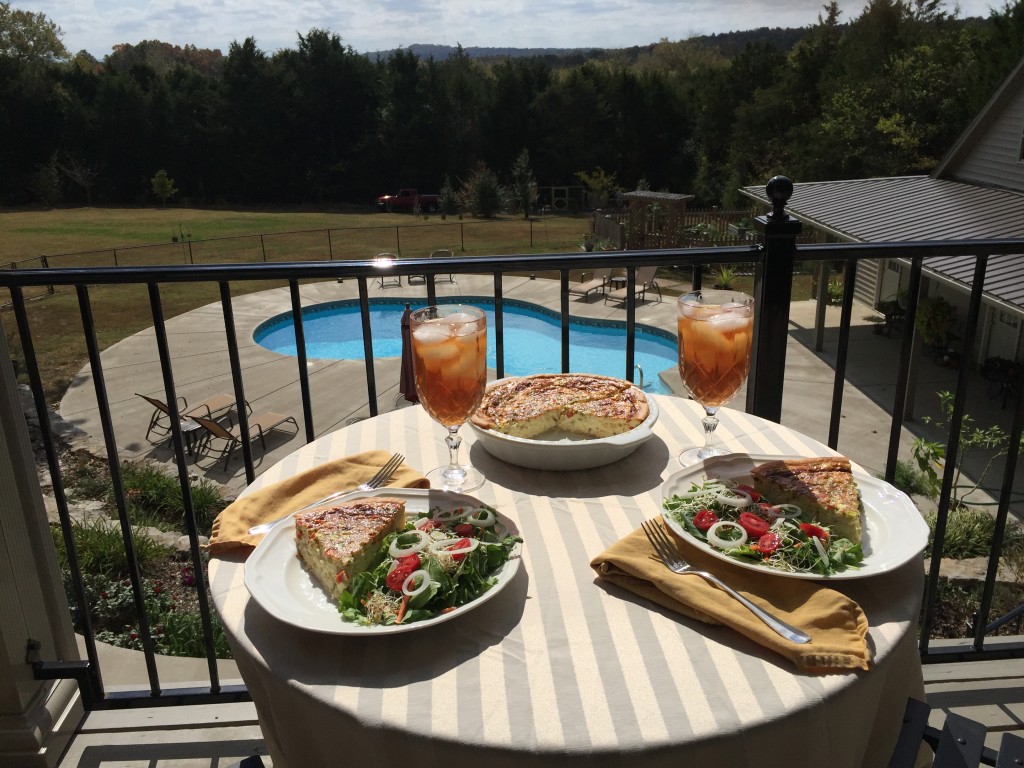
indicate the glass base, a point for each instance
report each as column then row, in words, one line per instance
column 459, row 479
column 696, row 455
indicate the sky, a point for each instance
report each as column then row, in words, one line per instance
column 97, row 25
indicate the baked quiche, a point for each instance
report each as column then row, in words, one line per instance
column 578, row 403
column 823, row 487
column 338, row 541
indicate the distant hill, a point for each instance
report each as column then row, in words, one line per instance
column 728, row 44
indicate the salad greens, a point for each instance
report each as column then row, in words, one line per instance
column 737, row 521
column 440, row 561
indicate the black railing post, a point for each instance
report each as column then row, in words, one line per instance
column 773, row 288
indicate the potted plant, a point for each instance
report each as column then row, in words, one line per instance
column 935, row 321
column 724, row 276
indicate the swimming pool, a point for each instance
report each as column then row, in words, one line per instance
column 532, row 338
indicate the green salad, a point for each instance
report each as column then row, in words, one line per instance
column 737, row 521
column 440, row 561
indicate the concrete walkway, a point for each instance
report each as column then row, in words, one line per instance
column 338, row 389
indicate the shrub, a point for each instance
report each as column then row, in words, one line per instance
column 970, row 533
column 725, row 276
column 448, row 198
column 155, row 497
column 835, row 291
column 481, row 193
column 99, row 547
column 910, row 480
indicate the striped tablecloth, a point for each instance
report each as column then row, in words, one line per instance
column 558, row 669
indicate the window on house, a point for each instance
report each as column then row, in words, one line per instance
column 1009, row 319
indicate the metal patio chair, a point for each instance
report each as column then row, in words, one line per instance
column 231, row 436
column 160, row 420
column 599, row 282
column 644, row 282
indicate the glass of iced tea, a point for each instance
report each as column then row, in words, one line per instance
column 449, row 352
column 715, row 331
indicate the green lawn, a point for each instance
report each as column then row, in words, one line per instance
column 148, row 236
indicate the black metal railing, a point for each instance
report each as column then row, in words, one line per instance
column 774, row 259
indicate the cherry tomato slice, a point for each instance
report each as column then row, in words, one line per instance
column 749, row 490
column 755, row 526
column 814, row 530
column 462, row 543
column 465, row 529
column 704, row 520
column 768, row 543
column 404, row 566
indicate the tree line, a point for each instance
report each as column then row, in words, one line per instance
column 885, row 93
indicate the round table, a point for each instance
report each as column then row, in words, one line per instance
column 559, row 669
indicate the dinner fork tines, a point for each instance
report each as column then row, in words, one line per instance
column 382, row 477
column 674, row 561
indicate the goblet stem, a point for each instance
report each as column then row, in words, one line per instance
column 454, row 474
column 710, row 422
column 709, row 449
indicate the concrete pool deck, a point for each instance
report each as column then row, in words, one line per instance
column 338, row 391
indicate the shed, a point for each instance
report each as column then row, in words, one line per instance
column 655, row 219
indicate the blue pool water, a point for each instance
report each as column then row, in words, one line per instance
column 532, row 338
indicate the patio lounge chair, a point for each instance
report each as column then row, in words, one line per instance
column 231, row 436
column 385, row 258
column 644, row 282
column 160, row 420
column 443, row 253
column 599, row 282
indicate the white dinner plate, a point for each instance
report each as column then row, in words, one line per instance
column 277, row 580
column 563, row 452
column 894, row 529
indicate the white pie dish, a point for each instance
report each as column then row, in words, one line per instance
column 563, row 452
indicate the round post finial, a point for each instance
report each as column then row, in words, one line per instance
column 779, row 189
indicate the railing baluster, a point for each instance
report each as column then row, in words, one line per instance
column 94, row 675
column 949, row 474
column 300, row 354
column 839, row 381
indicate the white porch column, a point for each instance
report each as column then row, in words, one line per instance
column 37, row 718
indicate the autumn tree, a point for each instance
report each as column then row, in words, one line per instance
column 29, row 36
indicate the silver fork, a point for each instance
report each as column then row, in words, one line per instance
column 671, row 559
column 381, row 478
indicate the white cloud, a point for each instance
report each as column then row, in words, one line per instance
column 98, row 25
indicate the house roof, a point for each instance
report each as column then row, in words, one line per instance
column 917, row 208
column 990, row 112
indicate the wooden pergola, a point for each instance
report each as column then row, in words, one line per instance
column 655, row 219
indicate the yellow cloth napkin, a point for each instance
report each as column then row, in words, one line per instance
column 836, row 624
column 230, row 529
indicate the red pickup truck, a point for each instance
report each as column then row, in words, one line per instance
column 408, row 200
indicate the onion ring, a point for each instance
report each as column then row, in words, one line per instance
column 398, row 550
column 485, row 521
column 784, row 511
column 821, row 549
column 408, row 586
column 447, row 546
column 715, row 540
column 734, row 497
